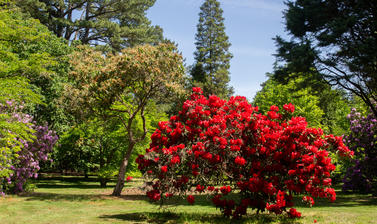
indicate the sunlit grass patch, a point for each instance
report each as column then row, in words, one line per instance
column 79, row 200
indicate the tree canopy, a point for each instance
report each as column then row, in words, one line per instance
column 123, row 86
column 326, row 108
column 29, row 51
column 111, row 24
column 338, row 38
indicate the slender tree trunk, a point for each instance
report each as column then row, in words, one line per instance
column 122, row 171
column 84, row 38
column 103, row 182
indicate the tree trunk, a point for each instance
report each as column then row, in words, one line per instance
column 122, row 171
column 103, row 182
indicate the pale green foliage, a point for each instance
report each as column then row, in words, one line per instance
column 336, row 108
column 29, row 50
column 321, row 106
column 20, row 59
column 98, row 145
column 122, row 82
column 12, row 128
column 305, row 103
column 19, row 90
column 17, row 35
column 122, row 86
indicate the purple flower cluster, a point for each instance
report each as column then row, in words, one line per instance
column 26, row 163
column 362, row 175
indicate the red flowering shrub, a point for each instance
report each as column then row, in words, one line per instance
column 191, row 199
column 263, row 159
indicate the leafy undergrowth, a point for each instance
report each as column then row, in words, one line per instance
column 78, row 200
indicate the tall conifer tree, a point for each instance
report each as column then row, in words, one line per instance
column 211, row 68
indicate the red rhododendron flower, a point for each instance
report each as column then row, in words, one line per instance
column 129, row 178
column 175, row 160
column 154, row 195
column 197, row 90
column 168, row 195
column 308, row 200
column 293, row 213
column 240, row 161
column 225, row 190
column 200, row 188
column 273, row 115
column 164, row 169
column 327, row 182
column 289, row 108
column 265, row 159
column 191, row 199
column 274, row 108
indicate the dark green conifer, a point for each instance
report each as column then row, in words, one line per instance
column 212, row 57
column 109, row 24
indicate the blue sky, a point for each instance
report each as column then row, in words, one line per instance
column 250, row 25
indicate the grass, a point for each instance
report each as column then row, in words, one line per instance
column 76, row 200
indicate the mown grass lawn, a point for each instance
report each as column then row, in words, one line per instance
column 75, row 200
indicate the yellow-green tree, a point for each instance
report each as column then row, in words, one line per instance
column 122, row 86
column 327, row 110
column 29, row 51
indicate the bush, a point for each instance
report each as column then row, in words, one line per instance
column 362, row 174
column 25, row 163
column 222, row 147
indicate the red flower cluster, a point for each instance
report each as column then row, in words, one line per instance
column 293, row 213
column 191, row 199
column 265, row 158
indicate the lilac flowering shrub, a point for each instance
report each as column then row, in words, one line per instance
column 23, row 163
column 362, row 175
column 14, row 128
column 27, row 163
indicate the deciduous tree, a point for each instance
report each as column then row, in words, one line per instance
column 324, row 107
column 122, row 86
column 28, row 50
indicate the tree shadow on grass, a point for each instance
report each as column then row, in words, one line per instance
column 70, row 182
column 42, row 196
column 342, row 200
column 77, row 182
column 172, row 217
column 77, row 186
column 71, row 179
column 200, row 200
